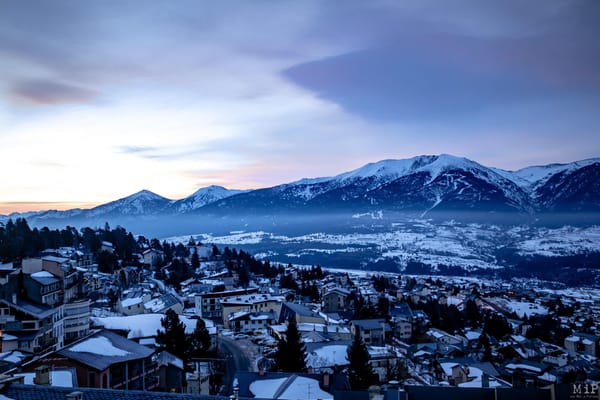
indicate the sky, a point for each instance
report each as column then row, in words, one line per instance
column 99, row 100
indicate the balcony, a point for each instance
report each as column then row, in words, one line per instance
column 45, row 345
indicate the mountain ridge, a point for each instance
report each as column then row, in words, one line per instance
column 423, row 183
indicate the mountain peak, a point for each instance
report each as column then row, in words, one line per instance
column 143, row 195
column 202, row 197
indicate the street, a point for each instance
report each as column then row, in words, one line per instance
column 235, row 360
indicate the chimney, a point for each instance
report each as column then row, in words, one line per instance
column 14, row 298
column 485, row 380
column 326, row 379
column 42, row 375
column 75, row 396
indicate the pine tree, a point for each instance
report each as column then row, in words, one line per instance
column 360, row 373
column 195, row 260
column 291, row 353
column 199, row 340
column 172, row 338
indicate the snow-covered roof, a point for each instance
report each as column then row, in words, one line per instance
column 472, row 335
column 131, row 301
column 42, row 274
column 421, row 353
column 13, row 357
column 307, row 326
column 160, row 303
column 104, row 349
column 327, row 356
column 55, row 259
column 249, row 299
column 145, row 325
column 514, row 366
column 98, row 345
column 291, row 388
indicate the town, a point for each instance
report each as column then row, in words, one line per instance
column 102, row 310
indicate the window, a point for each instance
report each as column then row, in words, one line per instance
column 91, row 379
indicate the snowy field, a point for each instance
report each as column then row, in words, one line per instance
column 468, row 246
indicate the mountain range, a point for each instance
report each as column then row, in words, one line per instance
column 422, row 185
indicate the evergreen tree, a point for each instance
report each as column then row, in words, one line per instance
column 472, row 313
column 360, row 373
column 199, row 340
column 484, row 342
column 172, row 338
column 195, row 261
column 291, row 352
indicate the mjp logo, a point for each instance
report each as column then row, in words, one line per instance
column 584, row 390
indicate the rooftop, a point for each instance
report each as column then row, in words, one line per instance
column 103, row 349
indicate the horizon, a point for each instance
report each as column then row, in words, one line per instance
column 102, row 100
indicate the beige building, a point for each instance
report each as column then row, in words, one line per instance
column 251, row 303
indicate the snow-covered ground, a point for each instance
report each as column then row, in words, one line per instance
column 562, row 241
column 469, row 246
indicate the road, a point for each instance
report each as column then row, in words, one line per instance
column 235, row 360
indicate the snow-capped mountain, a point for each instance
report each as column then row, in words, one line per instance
column 561, row 187
column 571, row 189
column 202, row 197
column 143, row 202
column 422, row 185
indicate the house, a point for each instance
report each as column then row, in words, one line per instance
column 208, row 305
column 403, row 329
column 76, row 320
column 171, row 372
column 39, row 328
column 246, row 321
column 43, row 288
column 162, row 304
column 61, row 268
column 585, row 343
column 300, row 313
column 335, row 300
column 133, row 302
column 440, row 336
column 153, row 257
column 524, row 372
column 250, row 303
column 383, row 359
column 198, row 382
column 106, row 360
column 465, row 371
column 373, row 331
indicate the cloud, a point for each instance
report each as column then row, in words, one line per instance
column 136, row 149
column 260, row 93
column 453, row 65
column 47, row 92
